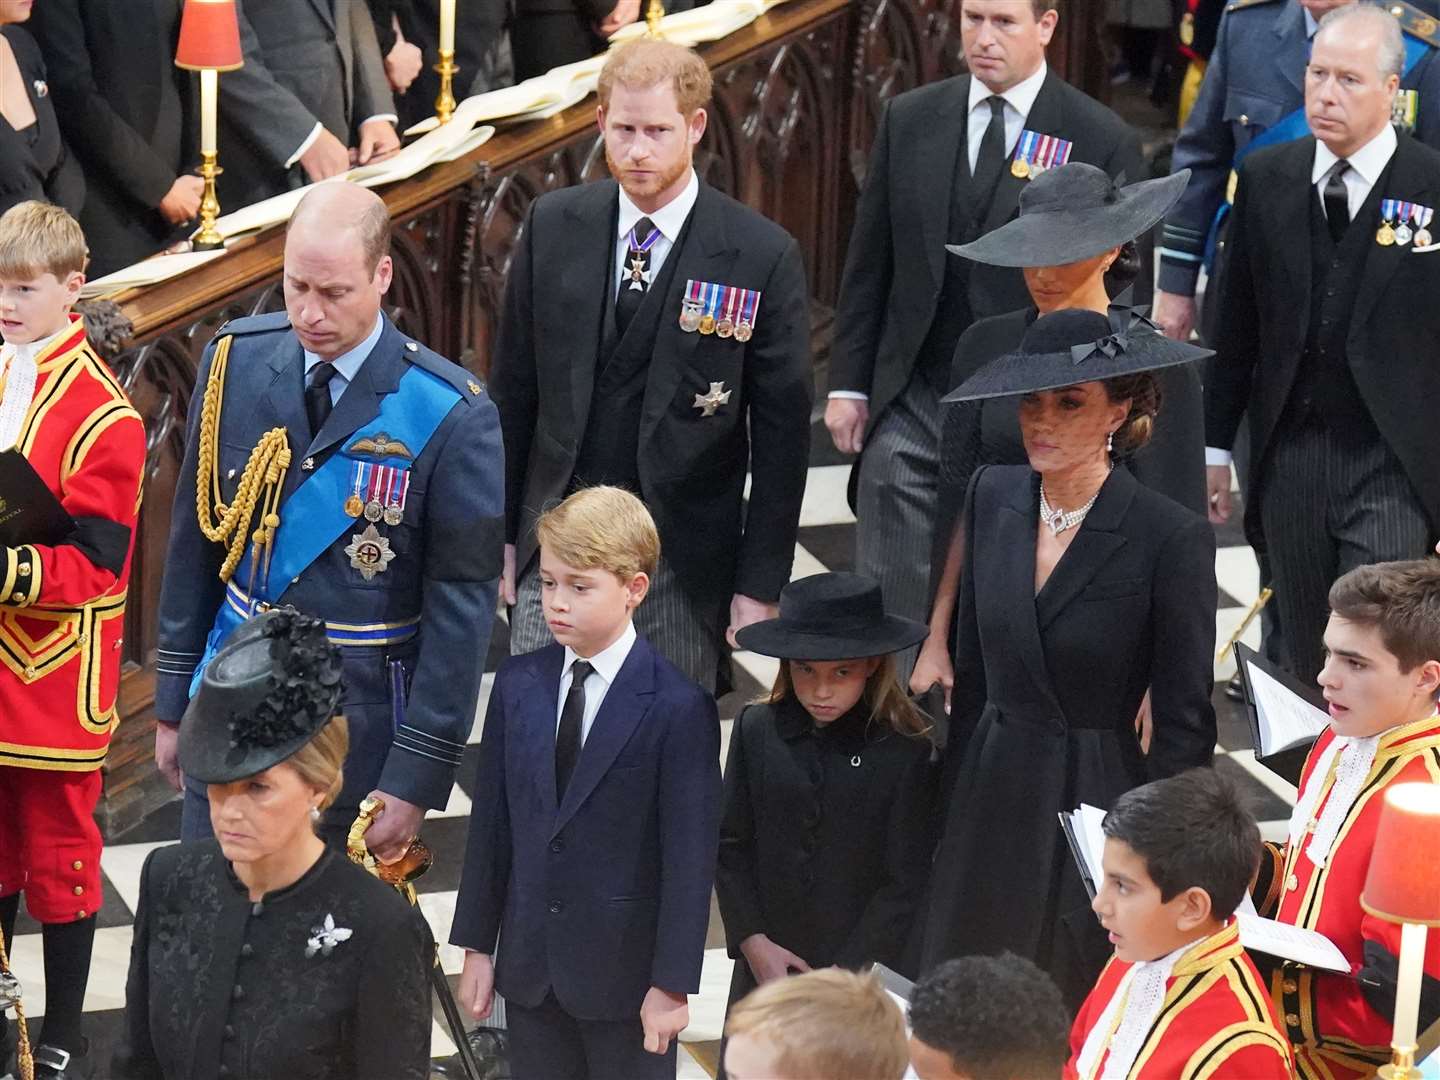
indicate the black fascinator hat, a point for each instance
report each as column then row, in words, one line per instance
column 270, row 690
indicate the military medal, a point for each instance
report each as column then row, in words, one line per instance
column 746, row 326
column 354, row 505
column 374, row 508
column 1035, row 154
column 1038, row 164
column 712, row 301
column 708, row 403
column 1423, row 214
column 1020, row 164
column 690, row 306
column 1187, row 29
column 1405, row 110
column 369, row 552
column 1385, row 235
column 1403, row 233
column 395, row 501
column 726, row 326
column 638, row 271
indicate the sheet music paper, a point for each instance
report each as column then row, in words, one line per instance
column 1286, row 720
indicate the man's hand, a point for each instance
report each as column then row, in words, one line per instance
column 378, row 141
column 167, row 756
column 769, row 961
column 743, row 611
column 326, row 157
column 389, row 836
column 933, row 666
column 663, row 1015
column 476, row 990
column 1217, row 490
column 622, row 14
column 1175, row 314
column 402, row 63
column 1144, row 724
column 182, row 202
column 507, row 576
column 846, row 418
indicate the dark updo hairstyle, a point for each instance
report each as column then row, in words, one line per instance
column 1124, row 270
column 1143, row 392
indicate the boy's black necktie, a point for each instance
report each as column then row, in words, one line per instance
column 317, row 396
column 635, row 279
column 567, row 736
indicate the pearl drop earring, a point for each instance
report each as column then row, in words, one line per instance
column 1110, row 443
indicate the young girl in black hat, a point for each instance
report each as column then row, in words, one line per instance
column 824, row 839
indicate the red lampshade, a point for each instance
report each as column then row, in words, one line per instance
column 209, row 36
column 1403, row 883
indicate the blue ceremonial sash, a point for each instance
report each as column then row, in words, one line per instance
column 314, row 515
column 1287, row 129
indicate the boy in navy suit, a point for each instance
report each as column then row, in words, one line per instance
column 595, row 823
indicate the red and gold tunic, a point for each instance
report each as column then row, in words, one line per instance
column 62, row 607
column 1215, row 1020
column 1336, row 1033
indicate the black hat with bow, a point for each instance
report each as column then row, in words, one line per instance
column 832, row 616
column 271, row 689
column 1075, row 346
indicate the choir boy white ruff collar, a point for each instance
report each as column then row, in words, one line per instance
column 1355, row 757
column 1137, row 1002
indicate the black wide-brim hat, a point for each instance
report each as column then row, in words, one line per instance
column 1075, row 346
column 270, row 689
column 1072, row 213
column 834, row 616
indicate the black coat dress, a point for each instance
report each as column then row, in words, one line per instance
column 34, row 162
column 825, row 837
column 1051, row 684
column 221, row 987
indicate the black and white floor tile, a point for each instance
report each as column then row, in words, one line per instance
column 826, row 541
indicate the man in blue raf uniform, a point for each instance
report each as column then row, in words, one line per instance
column 1253, row 95
column 336, row 466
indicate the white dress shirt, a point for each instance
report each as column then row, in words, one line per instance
column 1366, row 165
column 1019, row 100
column 347, row 365
column 18, row 362
column 669, row 219
column 607, row 664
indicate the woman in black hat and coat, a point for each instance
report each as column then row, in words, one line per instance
column 825, row 836
column 1081, row 589
column 263, row 954
column 1075, row 243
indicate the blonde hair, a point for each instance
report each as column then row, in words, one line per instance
column 644, row 62
column 320, row 761
column 888, row 702
column 602, row 528
column 826, row 1024
column 38, row 238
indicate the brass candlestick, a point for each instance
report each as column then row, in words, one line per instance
column 208, row 236
column 1402, row 1065
column 445, row 103
column 654, row 12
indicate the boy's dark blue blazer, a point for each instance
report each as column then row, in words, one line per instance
column 607, row 894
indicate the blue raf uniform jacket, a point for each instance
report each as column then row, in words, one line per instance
column 431, row 607
column 1256, row 77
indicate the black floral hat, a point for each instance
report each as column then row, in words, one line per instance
column 269, row 691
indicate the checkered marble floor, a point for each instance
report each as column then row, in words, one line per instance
column 826, row 542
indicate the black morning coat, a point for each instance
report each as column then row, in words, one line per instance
column 825, row 837
column 220, row 987
column 1048, row 686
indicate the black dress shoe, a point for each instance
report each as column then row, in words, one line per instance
column 1235, row 689
column 53, row 1063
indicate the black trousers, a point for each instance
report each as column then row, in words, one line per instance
column 1328, row 505
column 547, row 1043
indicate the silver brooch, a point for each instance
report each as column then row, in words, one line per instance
column 325, row 937
column 42, row 88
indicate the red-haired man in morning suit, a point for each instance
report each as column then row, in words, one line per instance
column 61, row 610
column 1380, row 680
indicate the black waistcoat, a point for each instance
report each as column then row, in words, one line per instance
column 609, row 451
column 1324, row 389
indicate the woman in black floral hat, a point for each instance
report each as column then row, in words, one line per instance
column 262, row 953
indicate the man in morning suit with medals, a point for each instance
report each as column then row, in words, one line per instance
column 655, row 336
column 337, row 466
column 949, row 163
column 1321, row 338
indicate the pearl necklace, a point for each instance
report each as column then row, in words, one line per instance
column 1059, row 520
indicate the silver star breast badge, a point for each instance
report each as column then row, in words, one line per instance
column 708, row 403
column 325, row 937
column 369, row 552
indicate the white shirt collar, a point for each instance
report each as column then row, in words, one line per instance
column 348, row 363
column 32, row 349
column 1020, row 97
column 669, row 219
column 609, row 660
column 1368, row 162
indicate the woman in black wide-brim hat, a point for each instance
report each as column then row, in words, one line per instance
column 825, row 837
column 1081, row 589
column 262, row 953
column 1074, row 239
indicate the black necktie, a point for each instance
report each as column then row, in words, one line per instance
column 567, row 736
column 635, row 280
column 317, row 396
column 1337, row 200
column 991, row 158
